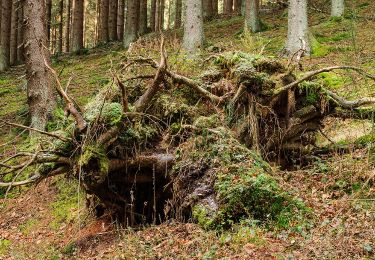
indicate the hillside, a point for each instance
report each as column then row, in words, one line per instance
column 51, row 220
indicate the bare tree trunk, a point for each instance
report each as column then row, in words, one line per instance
column 68, row 23
column 159, row 19
column 207, row 9
column 112, row 21
column 131, row 26
column 215, row 8
column 193, row 27
column 20, row 31
column 153, row 15
column 77, row 34
column 237, row 7
column 5, row 34
column 178, row 13
column 61, row 25
column 121, row 19
column 252, row 15
column 337, row 8
column 228, row 7
column 14, row 34
column 40, row 95
column 142, row 17
column 48, row 20
column 103, row 31
column 298, row 37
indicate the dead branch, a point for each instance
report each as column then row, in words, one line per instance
column 159, row 161
column 349, row 104
column 311, row 74
column 62, row 138
column 124, row 95
column 70, row 107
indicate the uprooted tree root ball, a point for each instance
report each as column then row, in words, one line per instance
column 147, row 152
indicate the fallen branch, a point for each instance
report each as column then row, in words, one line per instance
column 349, row 104
column 311, row 74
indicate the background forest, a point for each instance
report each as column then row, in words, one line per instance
column 188, row 129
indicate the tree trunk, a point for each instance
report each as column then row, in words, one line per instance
column 142, row 17
column 215, row 8
column 20, row 31
column 121, row 19
column 68, row 23
column 77, row 36
column 14, row 34
column 193, row 27
column 159, row 19
column 298, row 37
column 178, row 13
column 237, row 7
column 61, row 25
column 112, row 20
column 131, row 26
column 48, row 20
column 103, row 32
column 207, row 9
column 337, row 8
column 252, row 15
column 39, row 86
column 5, row 34
column 228, row 7
column 153, row 15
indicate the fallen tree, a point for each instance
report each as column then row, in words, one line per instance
column 186, row 147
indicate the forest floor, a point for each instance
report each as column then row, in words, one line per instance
column 50, row 221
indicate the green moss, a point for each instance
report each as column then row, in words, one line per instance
column 4, row 245
column 365, row 140
column 318, row 49
column 332, row 80
column 202, row 216
column 27, row 227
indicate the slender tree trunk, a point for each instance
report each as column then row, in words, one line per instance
column 237, row 7
column 178, row 13
column 68, row 23
column 112, row 21
column 14, row 34
column 121, row 19
column 5, row 34
column 297, row 27
column 159, row 19
column 61, row 25
column 207, row 9
column 103, row 32
column 40, row 95
column 215, row 8
column 228, row 7
column 337, row 8
column 131, row 26
column 20, row 31
column 193, row 26
column 48, row 20
column 153, row 15
column 77, row 34
column 252, row 15
column 142, row 17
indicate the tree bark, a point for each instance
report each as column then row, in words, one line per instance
column 131, row 26
column 68, row 23
column 142, row 17
column 5, row 34
column 121, row 19
column 103, row 32
column 298, row 37
column 48, row 20
column 159, row 19
column 215, row 8
column 61, row 26
column 207, row 9
column 337, row 8
column 77, row 34
column 178, row 13
column 237, row 7
column 193, row 27
column 252, row 15
column 228, row 7
column 14, row 34
column 112, row 20
column 39, row 86
column 153, row 15
column 20, row 37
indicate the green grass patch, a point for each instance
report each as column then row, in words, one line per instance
column 4, row 246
